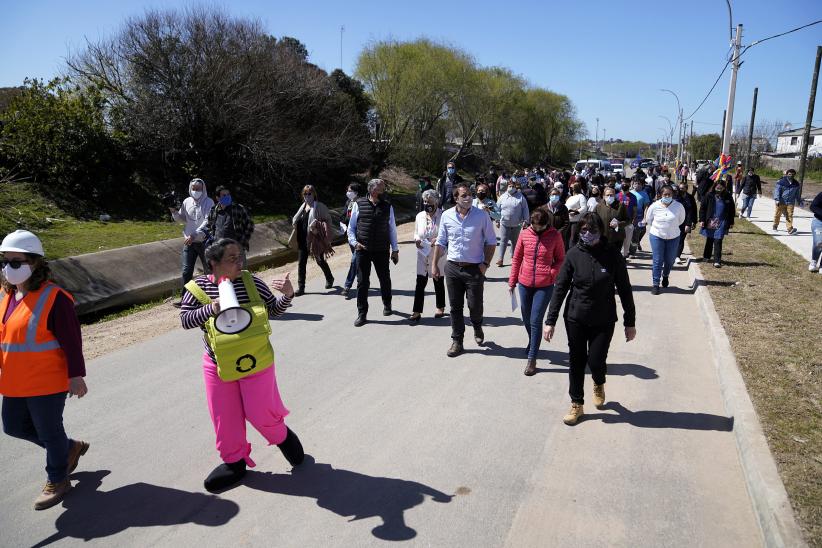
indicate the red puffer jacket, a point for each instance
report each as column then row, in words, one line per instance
column 537, row 258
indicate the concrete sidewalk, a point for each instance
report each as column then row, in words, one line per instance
column 405, row 443
column 801, row 242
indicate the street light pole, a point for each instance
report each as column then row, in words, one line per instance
column 679, row 122
column 729, row 117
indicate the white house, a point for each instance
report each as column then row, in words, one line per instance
column 790, row 142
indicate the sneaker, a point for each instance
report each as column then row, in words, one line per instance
column 360, row 321
column 387, row 311
column 599, row 395
column 717, row 265
column 573, row 415
column 812, row 267
column 680, row 260
column 78, row 449
column 499, row 262
column 53, row 493
column 300, row 292
column 455, row 350
column 531, row 368
column 665, row 281
column 655, row 290
column 344, row 292
column 329, row 283
column 224, row 476
column 792, row 231
column 479, row 336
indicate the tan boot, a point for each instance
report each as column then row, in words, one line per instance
column 52, row 494
column 77, row 450
column 574, row 414
column 599, row 395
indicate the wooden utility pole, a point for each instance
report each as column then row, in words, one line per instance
column 806, row 137
column 750, row 132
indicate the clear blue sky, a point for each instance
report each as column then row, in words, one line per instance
column 609, row 56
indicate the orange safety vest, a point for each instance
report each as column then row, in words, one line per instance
column 31, row 360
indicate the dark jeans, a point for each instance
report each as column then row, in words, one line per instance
column 419, row 292
column 573, row 238
column 533, row 301
column 464, row 281
column 39, row 419
column 303, row 258
column 352, row 269
column 681, row 246
column 714, row 245
column 587, row 345
column 190, row 254
column 380, row 260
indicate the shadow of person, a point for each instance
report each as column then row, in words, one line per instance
column 351, row 494
column 664, row 419
column 91, row 513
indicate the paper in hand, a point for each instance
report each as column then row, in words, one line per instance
column 514, row 303
column 426, row 248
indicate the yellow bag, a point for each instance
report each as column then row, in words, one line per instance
column 240, row 354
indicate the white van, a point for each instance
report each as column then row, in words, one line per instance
column 598, row 165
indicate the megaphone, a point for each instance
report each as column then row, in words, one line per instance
column 232, row 317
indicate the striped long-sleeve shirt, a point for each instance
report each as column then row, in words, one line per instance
column 194, row 314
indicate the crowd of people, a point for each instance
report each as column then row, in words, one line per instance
column 572, row 235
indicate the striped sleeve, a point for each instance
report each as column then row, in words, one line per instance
column 192, row 312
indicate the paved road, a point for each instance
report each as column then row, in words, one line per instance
column 405, row 443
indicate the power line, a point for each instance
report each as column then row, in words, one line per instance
column 746, row 48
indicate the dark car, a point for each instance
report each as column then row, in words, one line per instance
column 636, row 162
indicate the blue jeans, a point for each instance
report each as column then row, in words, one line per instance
column 39, row 419
column 533, row 301
column 747, row 203
column 664, row 253
column 190, row 254
column 816, row 230
column 352, row 269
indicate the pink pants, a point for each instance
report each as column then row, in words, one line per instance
column 254, row 398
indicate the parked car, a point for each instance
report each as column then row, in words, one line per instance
column 617, row 166
column 635, row 163
column 648, row 163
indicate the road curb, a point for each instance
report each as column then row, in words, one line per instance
column 770, row 499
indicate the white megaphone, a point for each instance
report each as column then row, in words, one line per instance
column 232, row 317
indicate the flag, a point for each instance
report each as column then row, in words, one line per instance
column 724, row 165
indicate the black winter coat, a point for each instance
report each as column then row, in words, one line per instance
column 589, row 274
column 706, row 208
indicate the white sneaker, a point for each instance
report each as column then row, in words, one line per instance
column 680, row 260
column 812, row 267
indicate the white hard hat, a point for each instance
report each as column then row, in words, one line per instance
column 22, row 241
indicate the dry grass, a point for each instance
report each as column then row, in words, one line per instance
column 769, row 305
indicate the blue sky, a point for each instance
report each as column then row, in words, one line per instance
column 609, row 56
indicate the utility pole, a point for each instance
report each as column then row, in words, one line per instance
column 604, row 140
column 729, row 118
column 722, row 140
column 750, row 132
column 806, row 137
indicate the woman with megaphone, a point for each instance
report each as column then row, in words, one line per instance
column 232, row 307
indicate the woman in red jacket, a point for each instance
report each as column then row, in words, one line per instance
column 537, row 259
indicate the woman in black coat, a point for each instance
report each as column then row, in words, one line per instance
column 588, row 276
column 716, row 217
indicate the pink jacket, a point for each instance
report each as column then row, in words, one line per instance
column 537, row 258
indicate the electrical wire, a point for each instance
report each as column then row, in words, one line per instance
column 746, row 48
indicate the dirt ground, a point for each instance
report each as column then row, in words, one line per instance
column 106, row 337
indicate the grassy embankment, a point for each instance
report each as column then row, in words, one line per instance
column 64, row 236
column 769, row 306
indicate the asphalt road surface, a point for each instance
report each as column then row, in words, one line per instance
column 406, row 444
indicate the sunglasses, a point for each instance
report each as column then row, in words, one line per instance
column 13, row 263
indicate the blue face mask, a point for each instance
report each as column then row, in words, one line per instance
column 451, row 171
column 554, row 198
column 225, row 201
column 667, row 200
column 618, row 186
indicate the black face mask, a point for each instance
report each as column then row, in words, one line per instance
column 430, row 208
column 481, row 195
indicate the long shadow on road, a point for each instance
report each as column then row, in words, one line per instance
column 92, row 514
column 351, row 494
column 663, row 419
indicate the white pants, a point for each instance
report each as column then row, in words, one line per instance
column 626, row 243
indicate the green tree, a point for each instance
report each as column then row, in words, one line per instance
column 706, row 147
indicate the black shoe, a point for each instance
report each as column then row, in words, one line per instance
column 300, row 292
column 292, row 449
column 655, row 290
column 360, row 321
column 415, row 317
column 717, row 265
column 329, row 283
column 792, row 231
column 387, row 311
column 479, row 336
column 224, row 476
column 665, row 281
column 455, row 350
column 344, row 292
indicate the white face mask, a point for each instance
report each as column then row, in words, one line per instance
column 350, row 195
column 196, row 194
column 17, row 276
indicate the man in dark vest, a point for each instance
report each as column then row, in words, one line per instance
column 371, row 231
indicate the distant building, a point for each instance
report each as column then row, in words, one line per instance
column 790, row 142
